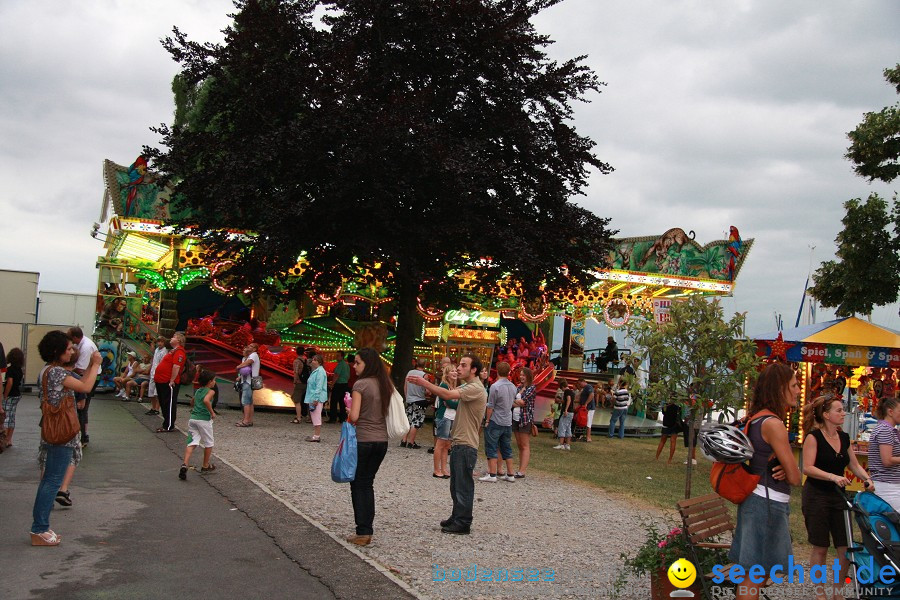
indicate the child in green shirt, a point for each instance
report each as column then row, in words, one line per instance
column 200, row 425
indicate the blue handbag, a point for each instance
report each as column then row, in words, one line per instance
column 343, row 466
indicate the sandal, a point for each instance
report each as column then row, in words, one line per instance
column 47, row 538
column 63, row 499
column 242, row 424
column 296, row 422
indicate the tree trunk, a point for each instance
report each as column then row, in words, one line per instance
column 690, row 462
column 406, row 332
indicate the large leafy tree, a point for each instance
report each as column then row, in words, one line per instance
column 867, row 272
column 698, row 359
column 875, row 143
column 417, row 136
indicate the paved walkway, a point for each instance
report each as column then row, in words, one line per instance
column 136, row 531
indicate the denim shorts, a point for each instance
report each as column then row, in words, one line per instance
column 498, row 436
column 442, row 428
column 246, row 394
column 763, row 534
column 565, row 426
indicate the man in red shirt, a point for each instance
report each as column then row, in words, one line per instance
column 168, row 380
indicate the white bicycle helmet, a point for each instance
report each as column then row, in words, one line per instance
column 724, row 443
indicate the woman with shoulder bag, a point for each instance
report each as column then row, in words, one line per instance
column 443, row 423
column 370, row 399
column 523, row 418
column 316, row 394
column 57, row 387
column 762, row 535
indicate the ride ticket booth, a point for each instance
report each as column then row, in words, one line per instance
column 464, row 331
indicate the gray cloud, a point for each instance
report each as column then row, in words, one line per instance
column 716, row 114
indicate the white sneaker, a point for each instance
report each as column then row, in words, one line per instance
column 693, row 461
column 559, row 447
column 488, row 477
column 568, row 447
column 508, row 478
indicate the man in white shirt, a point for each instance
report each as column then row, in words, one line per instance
column 86, row 348
column 415, row 405
column 158, row 354
column 251, row 361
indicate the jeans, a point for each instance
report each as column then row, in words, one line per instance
column 618, row 414
column 368, row 458
column 462, row 486
column 58, row 458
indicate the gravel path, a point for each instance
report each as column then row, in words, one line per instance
column 541, row 522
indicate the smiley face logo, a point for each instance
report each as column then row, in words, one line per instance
column 682, row 573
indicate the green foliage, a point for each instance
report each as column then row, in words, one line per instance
column 875, row 143
column 698, row 348
column 867, row 273
column 420, row 135
column 660, row 550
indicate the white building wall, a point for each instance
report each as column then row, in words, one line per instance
column 64, row 308
column 18, row 296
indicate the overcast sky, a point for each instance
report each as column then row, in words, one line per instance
column 716, row 113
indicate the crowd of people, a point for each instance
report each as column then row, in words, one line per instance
column 469, row 408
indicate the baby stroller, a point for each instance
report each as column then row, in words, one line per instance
column 878, row 545
column 579, row 423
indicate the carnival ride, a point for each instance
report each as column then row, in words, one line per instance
column 150, row 266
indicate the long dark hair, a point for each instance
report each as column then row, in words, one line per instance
column 769, row 391
column 374, row 367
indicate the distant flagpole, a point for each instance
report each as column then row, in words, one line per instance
column 802, row 301
column 805, row 288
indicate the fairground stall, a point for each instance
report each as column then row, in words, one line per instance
column 850, row 357
column 153, row 281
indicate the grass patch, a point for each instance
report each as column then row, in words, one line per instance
column 624, row 466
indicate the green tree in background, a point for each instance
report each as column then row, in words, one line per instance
column 867, row 272
column 416, row 135
column 875, row 143
column 697, row 360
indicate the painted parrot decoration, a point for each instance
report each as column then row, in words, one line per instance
column 136, row 174
column 734, row 250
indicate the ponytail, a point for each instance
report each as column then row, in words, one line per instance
column 884, row 406
column 813, row 412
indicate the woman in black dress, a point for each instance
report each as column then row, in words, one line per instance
column 826, row 456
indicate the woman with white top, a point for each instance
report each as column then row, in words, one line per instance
column 443, row 422
column 884, row 452
column 762, row 535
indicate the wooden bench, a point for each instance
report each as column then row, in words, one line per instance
column 703, row 519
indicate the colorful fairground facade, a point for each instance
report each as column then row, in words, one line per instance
column 152, row 282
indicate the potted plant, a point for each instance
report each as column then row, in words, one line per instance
column 658, row 553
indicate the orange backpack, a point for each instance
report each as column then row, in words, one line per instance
column 735, row 482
